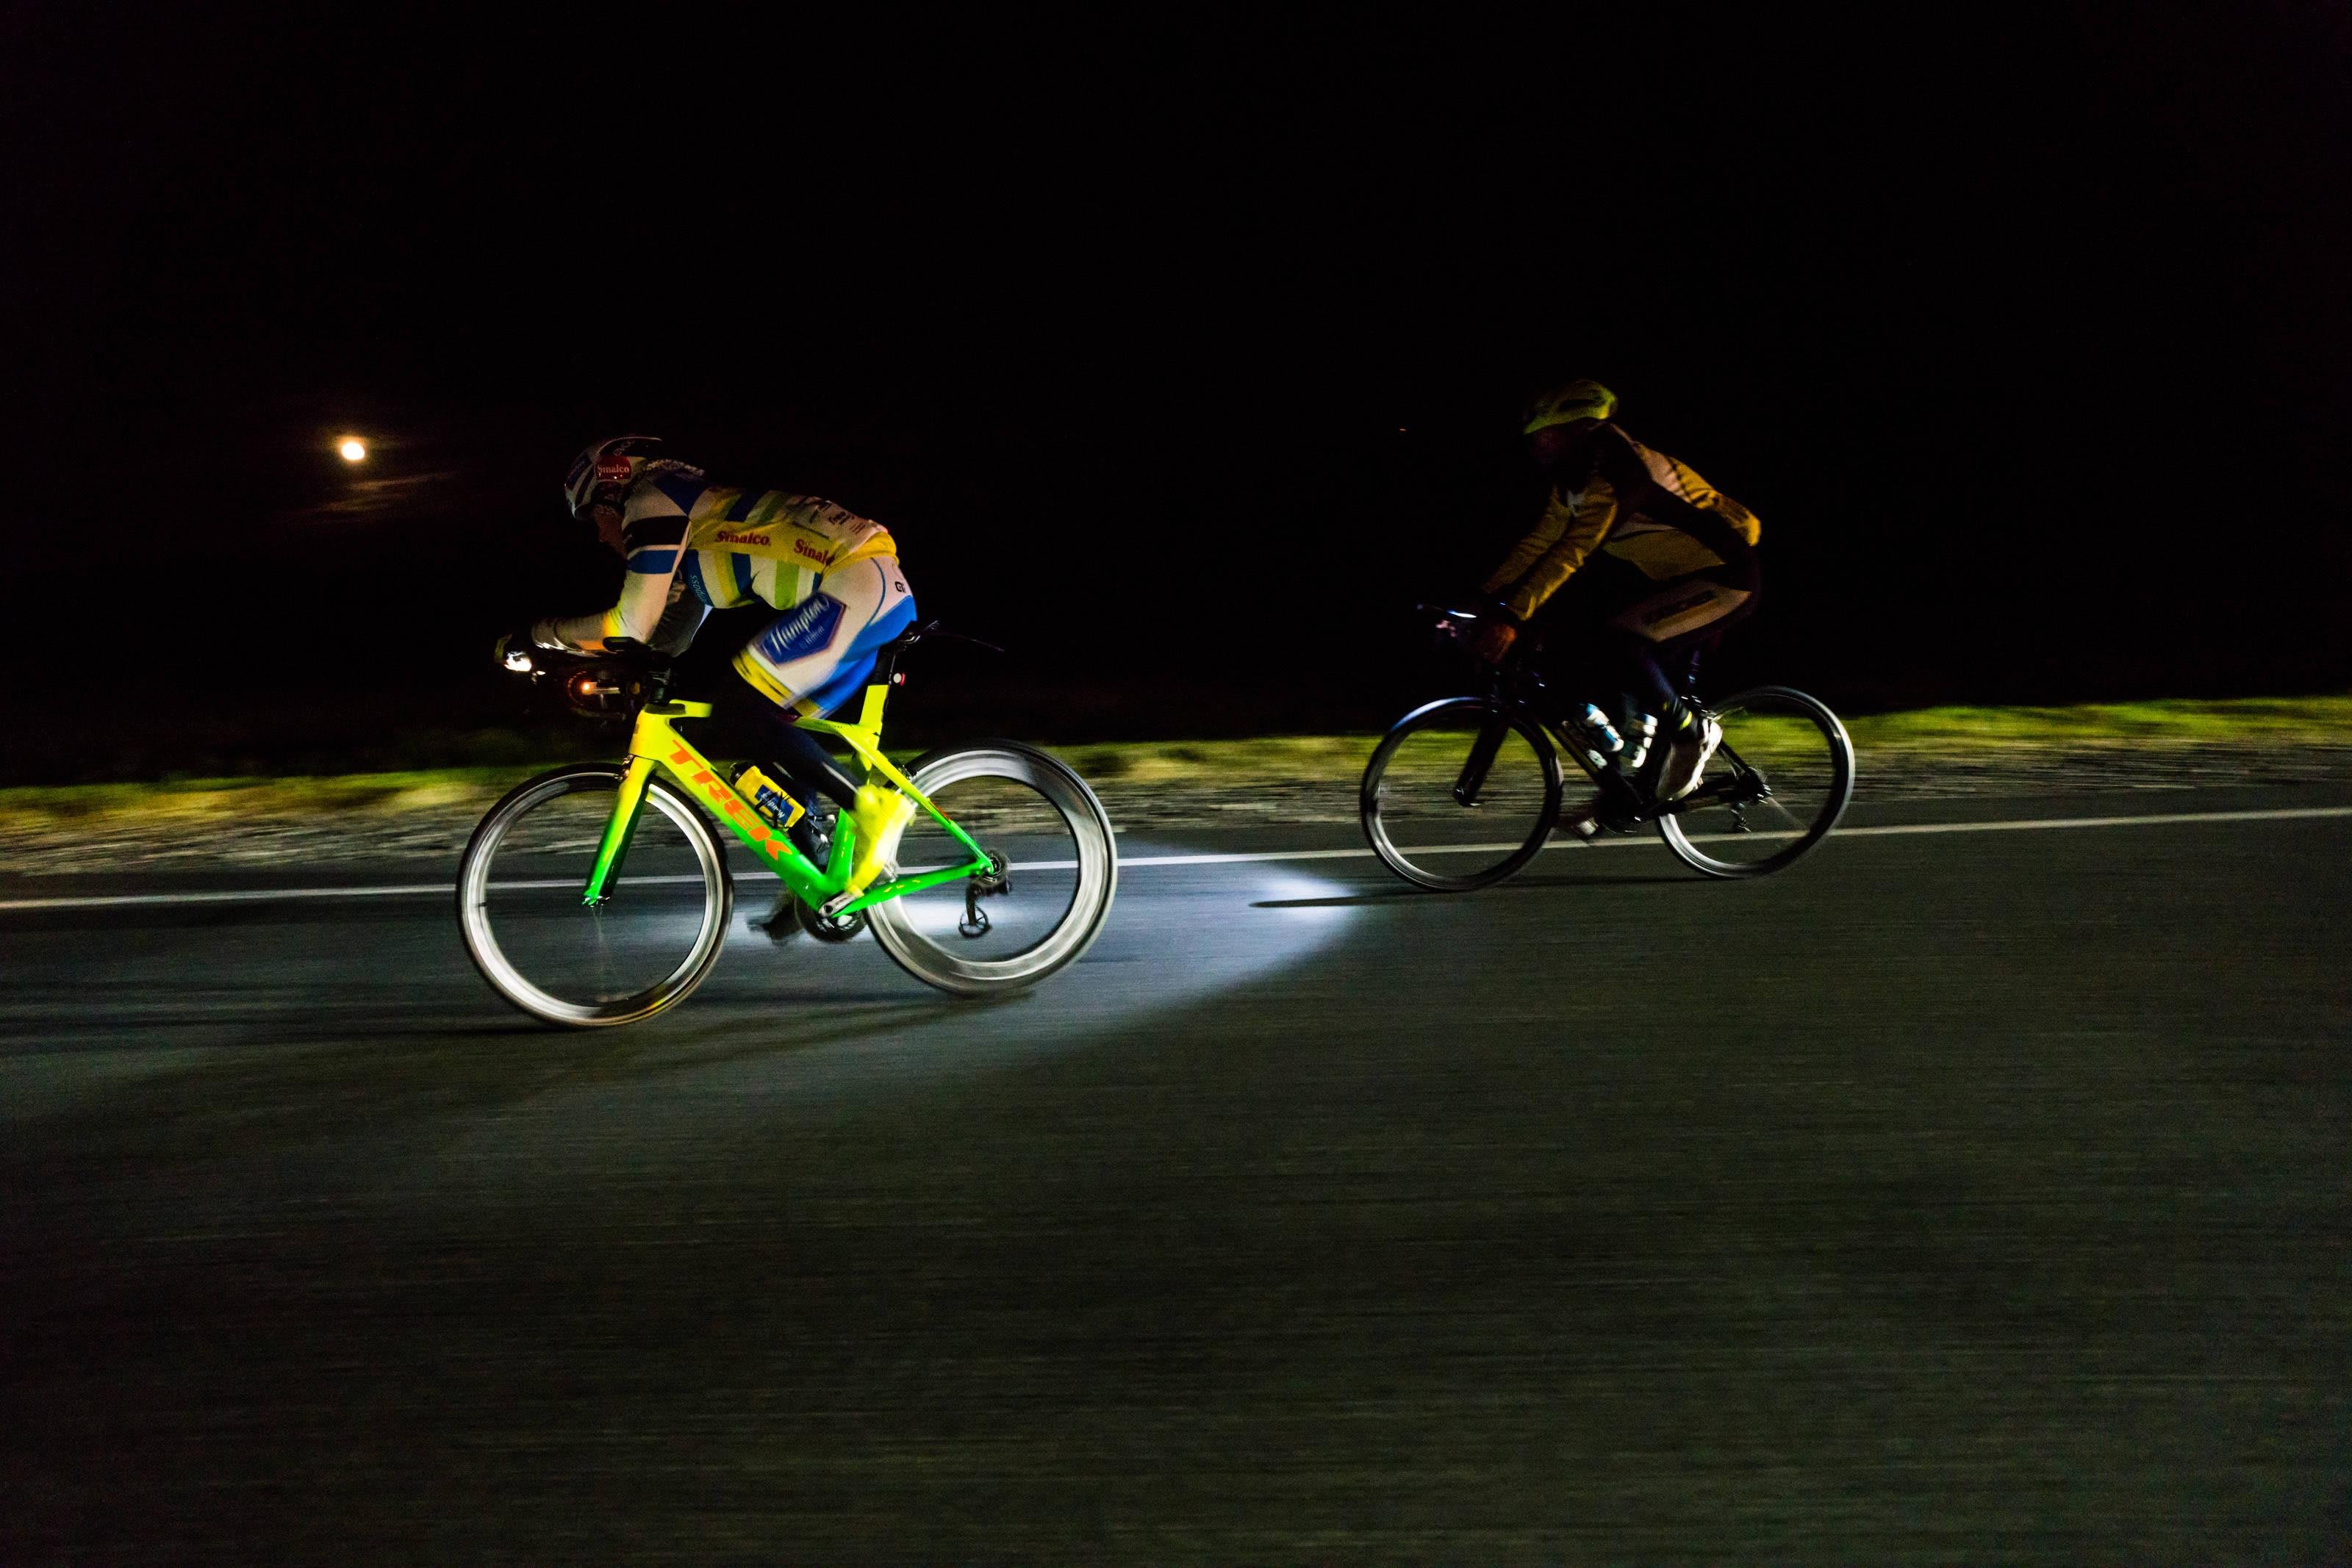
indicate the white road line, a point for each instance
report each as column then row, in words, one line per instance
column 438, row 889
column 242, row 895
column 2028, row 823
column 2014, row 825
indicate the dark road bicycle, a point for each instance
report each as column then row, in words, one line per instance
column 1466, row 790
column 600, row 894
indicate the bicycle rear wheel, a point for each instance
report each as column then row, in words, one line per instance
column 652, row 940
column 1054, row 870
column 1461, row 794
column 1773, row 789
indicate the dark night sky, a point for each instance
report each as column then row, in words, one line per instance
column 2028, row 342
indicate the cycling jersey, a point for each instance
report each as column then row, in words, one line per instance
column 723, row 547
column 694, row 546
column 1625, row 501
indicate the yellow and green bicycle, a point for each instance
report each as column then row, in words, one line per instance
column 584, row 907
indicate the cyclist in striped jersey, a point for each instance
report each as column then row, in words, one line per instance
column 692, row 547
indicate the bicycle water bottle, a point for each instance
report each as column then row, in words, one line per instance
column 769, row 799
column 1607, row 742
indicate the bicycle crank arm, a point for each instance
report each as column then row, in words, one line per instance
column 1733, row 792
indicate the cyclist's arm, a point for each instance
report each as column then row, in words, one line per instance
column 1572, row 527
column 653, row 544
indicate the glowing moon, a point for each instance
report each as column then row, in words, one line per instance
column 354, row 449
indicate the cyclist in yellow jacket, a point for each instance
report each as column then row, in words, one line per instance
column 1637, row 561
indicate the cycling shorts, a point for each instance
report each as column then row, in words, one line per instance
column 1694, row 602
column 816, row 654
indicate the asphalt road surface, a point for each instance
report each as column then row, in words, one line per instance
column 1954, row 1196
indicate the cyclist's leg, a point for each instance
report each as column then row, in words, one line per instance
column 1683, row 617
column 812, row 658
column 1582, row 661
column 803, row 665
column 816, row 655
column 1674, row 611
column 1588, row 657
column 1662, row 632
column 744, row 724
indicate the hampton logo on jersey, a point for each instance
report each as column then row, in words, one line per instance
column 805, row 631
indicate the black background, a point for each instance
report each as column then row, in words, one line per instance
column 1181, row 356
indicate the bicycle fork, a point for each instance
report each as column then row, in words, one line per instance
column 613, row 849
column 1481, row 760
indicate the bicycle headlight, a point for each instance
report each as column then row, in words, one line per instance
column 603, row 689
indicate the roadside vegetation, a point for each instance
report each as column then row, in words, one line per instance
column 2257, row 722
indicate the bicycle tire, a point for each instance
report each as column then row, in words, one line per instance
column 1826, row 796
column 1094, row 885
column 507, row 977
column 1406, row 861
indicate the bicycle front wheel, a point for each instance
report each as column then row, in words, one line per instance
column 1774, row 789
column 1053, row 870
column 1460, row 794
column 651, row 941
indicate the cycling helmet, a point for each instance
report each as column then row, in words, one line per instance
column 1577, row 399
column 604, row 470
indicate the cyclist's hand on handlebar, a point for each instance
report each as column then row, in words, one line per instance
column 1493, row 640
column 521, row 651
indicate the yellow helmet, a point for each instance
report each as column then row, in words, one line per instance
column 1577, row 399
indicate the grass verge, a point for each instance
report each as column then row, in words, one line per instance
column 2297, row 721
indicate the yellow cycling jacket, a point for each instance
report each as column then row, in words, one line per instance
column 1647, row 509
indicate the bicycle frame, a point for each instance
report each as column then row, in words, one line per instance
column 1518, row 689
column 656, row 745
